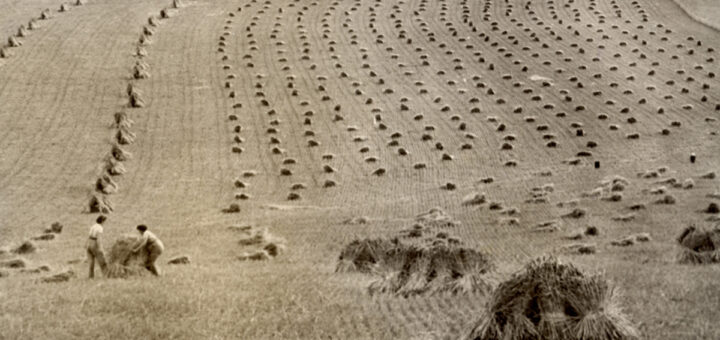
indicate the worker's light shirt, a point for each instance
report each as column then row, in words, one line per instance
column 96, row 230
column 147, row 239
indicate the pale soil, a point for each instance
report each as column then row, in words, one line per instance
column 58, row 93
column 705, row 11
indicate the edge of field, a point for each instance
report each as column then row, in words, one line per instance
column 695, row 10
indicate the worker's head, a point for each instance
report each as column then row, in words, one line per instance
column 101, row 219
column 141, row 228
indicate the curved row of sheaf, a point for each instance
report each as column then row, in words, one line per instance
column 15, row 41
column 123, row 136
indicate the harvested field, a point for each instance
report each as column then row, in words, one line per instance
column 464, row 138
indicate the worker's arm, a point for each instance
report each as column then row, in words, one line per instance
column 141, row 243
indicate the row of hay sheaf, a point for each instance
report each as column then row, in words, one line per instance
column 122, row 124
column 122, row 262
column 14, row 41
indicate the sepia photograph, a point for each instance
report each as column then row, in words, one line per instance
column 360, row 169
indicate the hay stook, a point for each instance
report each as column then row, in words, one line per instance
column 114, row 167
column 144, row 40
column 267, row 246
column 14, row 42
column 122, row 262
column 124, row 136
column 26, row 247
column 139, row 72
column 119, row 154
column 99, row 204
column 409, row 269
column 424, row 259
column 106, row 185
column 21, row 32
column 140, row 52
column 135, row 100
column 121, row 118
column 699, row 245
column 553, row 301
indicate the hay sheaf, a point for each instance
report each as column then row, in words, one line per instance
column 122, row 262
column 609, row 189
column 367, row 255
column 14, row 263
column 99, row 204
column 183, row 259
column 26, row 247
column 124, row 136
column 699, row 245
column 55, row 228
column 436, row 218
column 437, row 269
column 59, row 277
column 114, row 168
column 553, row 301
column 474, row 199
column 121, row 119
column 409, row 270
column 266, row 246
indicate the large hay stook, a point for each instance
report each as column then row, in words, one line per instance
column 699, row 245
column 416, row 270
column 553, row 301
column 122, row 262
column 409, row 269
column 424, row 259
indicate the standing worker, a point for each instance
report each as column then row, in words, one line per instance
column 154, row 247
column 94, row 250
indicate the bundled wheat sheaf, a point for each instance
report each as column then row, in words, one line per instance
column 550, row 300
column 266, row 246
column 699, row 245
column 122, row 262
